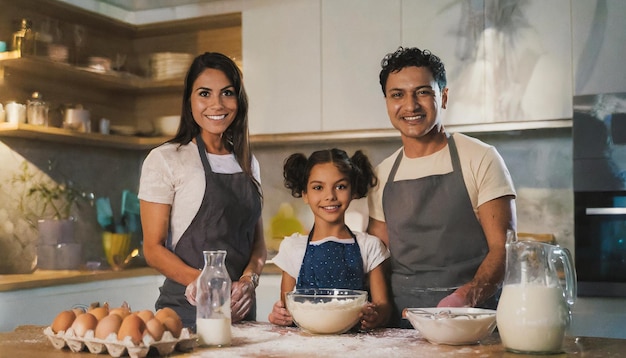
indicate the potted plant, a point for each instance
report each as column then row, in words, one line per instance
column 42, row 219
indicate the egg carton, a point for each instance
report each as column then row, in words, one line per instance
column 116, row 348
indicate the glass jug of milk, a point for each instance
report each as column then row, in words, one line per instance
column 539, row 288
column 213, row 301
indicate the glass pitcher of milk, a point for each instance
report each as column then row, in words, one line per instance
column 539, row 288
column 213, row 318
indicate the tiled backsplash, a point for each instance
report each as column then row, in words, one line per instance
column 540, row 162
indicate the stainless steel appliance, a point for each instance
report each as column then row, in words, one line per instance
column 599, row 139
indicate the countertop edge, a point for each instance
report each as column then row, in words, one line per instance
column 50, row 278
column 47, row 278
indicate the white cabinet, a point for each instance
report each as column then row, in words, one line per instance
column 598, row 38
column 356, row 35
column 282, row 65
column 40, row 305
column 312, row 65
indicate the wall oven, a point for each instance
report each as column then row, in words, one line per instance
column 599, row 140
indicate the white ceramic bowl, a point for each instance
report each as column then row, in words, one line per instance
column 325, row 311
column 452, row 325
column 166, row 125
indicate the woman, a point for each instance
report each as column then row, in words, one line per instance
column 201, row 191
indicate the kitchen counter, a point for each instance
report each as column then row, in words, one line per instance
column 257, row 339
column 47, row 278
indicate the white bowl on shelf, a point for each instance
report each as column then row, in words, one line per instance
column 166, row 125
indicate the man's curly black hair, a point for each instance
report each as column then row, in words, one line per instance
column 412, row 56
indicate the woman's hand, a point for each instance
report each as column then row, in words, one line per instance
column 242, row 298
column 370, row 318
column 190, row 292
column 279, row 315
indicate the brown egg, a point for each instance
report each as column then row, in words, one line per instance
column 63, row 321
column 174, row 325
column 78, row 311
column 133, row 327
column 145, row 315
column 155, row 328
column 99, row 312
column 165, row 312
column 107, row 325
column 83, row 323
column 120, row 311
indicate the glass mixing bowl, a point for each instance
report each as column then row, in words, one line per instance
column 325, row 310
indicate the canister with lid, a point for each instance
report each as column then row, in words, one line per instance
column 37, row 110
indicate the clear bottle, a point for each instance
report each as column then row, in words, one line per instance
column 213, row 318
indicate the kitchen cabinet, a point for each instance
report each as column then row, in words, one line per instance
column 282, row 65
column 310, row 64
column 356, row 34
column 28, row 300
column 40, row 305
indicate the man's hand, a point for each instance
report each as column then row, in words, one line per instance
column 452, row 300
column 241, row 300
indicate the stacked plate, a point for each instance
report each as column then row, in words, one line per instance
column 169, row 65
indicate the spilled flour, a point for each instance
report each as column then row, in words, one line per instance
column 256, row 339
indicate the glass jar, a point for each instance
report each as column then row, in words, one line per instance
column 37, row 110
column 213, row 318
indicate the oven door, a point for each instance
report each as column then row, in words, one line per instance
column 601, row 251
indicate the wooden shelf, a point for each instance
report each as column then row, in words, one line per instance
column 66, row 136
column 391, row 134
column 44, row 68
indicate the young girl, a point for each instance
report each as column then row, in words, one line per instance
column 332, row 256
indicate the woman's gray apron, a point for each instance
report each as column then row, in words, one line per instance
column 226, row 220
column 435, row 240
column 332, row 265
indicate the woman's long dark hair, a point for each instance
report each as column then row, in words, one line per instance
column 236, row 137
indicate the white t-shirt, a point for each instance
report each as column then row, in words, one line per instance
column 484, row 172
column 292, row 249
column 174, row 175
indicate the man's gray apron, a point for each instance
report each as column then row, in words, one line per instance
column 226, row 220
column 435, row 240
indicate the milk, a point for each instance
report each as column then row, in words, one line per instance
column 532, row 318
column 213, row 331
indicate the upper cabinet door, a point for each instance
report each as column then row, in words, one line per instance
column 282, row 65
column 356, row 35
column 506, row 61
column 599, row 46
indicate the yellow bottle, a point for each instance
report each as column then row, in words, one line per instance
column 283, row 224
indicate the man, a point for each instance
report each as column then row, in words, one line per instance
column 444, row 202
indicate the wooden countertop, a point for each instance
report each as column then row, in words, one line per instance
column 256, row 339
column 46, row 278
